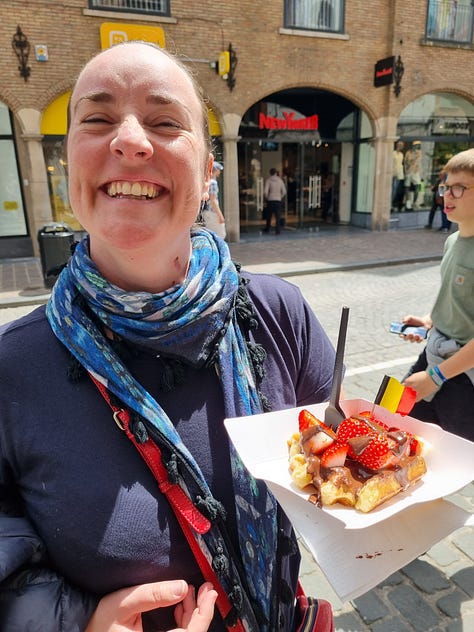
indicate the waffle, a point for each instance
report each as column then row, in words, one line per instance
column 348, row 481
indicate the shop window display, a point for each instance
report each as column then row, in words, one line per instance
column 431, row 130
column 12, row 215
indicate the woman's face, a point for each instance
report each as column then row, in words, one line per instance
column 137, row 157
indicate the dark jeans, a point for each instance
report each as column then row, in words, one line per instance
column 445, row 223
column 273, row 208
column 452, row 407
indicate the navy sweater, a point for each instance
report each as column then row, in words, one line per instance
column 83, row 487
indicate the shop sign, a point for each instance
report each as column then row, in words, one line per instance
column 288, row 122
column 383, row 75
column 449, row 126
column 115, row 33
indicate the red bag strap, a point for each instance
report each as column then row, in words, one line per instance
column 188, row 516
column 313, row 615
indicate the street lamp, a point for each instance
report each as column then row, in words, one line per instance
column 21, row 46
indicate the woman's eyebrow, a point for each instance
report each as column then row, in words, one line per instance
column 95, row 97
column 156, row 98
column 160, row 99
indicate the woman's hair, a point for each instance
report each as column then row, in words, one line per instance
column 464, row 161
column 186, row 70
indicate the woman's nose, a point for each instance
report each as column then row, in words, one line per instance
column 131, row 140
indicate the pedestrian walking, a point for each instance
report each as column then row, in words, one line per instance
column 274, row 191
column 212, row 215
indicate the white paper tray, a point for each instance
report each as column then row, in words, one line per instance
column 261, row 441
column 357, row 551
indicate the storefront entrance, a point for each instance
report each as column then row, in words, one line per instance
column 309, row 137
column 311, row 175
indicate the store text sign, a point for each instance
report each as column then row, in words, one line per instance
column 383, row 74
column 112, row 34
column 288, row 122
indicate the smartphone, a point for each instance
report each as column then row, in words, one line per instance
column 401, row 328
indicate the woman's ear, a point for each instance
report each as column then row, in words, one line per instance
column 207, row 176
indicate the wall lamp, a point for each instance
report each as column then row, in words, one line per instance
column 398, row 70
column 21, row 46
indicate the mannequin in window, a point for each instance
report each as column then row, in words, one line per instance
column 412, row 166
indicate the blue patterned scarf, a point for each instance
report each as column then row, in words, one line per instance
column 180, row 323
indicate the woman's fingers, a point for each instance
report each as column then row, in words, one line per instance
column 196, row 615
column 184, row 610
column 121, row 610
column 154, row 595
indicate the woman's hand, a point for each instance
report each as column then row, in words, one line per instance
column 121, row 611
column 422, row 383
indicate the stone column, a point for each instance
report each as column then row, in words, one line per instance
column 231, row 205
column 383, row 144
column 38, row 204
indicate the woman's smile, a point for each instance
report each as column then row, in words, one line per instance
column 133, row 190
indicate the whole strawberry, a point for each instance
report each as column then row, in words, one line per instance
column 373, row 451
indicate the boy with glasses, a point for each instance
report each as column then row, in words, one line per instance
column 443, row 374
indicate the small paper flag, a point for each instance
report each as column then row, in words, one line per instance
column 395, row 397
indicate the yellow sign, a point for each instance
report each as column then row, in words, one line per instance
column 10, row 205
column 224, row 63
column 112, row 33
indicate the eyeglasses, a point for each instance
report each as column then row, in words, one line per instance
column 456, row 190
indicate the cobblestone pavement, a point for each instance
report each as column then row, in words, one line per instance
column 435, row 592
column 290, row 253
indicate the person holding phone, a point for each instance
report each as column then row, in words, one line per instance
column 443, row 374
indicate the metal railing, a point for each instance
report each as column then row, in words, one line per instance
column 154, row 7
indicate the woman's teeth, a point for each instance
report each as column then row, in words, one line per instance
column 133, row 189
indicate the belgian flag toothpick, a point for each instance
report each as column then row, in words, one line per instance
column 395, row 397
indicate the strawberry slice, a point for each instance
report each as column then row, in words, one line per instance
column 335, row 455
column 308, row 420
column 415, row 446
column 315, row 441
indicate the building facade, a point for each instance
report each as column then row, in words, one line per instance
column 321, row 90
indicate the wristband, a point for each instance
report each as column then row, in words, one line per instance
column 434, row 377
column 439, row 373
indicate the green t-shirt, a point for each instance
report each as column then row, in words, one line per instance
column 453, row 311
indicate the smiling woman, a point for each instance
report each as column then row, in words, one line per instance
column 152, row 315
column 135, row 122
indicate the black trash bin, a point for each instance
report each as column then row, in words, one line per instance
column 55, row 244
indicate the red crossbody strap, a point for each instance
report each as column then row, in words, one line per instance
column 188, row 516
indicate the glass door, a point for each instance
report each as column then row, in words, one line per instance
column 311, row 175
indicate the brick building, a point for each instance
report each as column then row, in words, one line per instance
column 319, row 89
